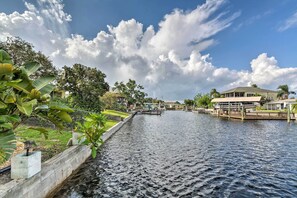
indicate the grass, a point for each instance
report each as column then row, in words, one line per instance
column 109, row 124
column 54, row 144
column 115, row 113
column 56, row 141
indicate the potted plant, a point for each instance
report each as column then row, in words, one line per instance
column 27, row 164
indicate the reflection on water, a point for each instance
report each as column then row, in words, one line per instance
column 182, row 154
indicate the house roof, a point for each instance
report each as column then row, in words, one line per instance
column 248, row 89
column 291, row 101
column 237, row 99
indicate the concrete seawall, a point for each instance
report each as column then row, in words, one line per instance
column 54, row 171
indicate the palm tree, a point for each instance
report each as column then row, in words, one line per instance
column 284, row 92
column 214, row 93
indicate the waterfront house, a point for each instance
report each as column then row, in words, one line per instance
column 236, row 103
column 280, row 104
column 173, row 105
column 269, row 95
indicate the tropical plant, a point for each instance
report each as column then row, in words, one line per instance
column 132, row 92
column 21, row 98
column 92, row 129
column 85, row 86
column 214, row 93
column 284, row 92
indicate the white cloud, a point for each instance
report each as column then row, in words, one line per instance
column 168, row 61
column 289, row 23
column 267, row 73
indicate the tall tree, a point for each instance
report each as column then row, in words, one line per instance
column 114, row 101
column 132, row 92
column 85, row 86
column 214, row 93
column 254, row 85
column 202, row 100
column 22, row 52
column 284, row 92
column 189, row 102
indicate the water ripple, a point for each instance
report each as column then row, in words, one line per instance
column 187, row 155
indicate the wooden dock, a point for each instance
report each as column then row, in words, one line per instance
column 152, row 112
column 257, row 115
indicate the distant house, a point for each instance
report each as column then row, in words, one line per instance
column 250, row 92
column 172, row 105
column 280, row 104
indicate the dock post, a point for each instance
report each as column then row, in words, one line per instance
column 242, row 113
column 289, row 116
column 229, row 111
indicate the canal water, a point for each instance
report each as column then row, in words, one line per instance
column 183, row 154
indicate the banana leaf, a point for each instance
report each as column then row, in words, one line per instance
column 47, row 89
column 43, row 81
column 24, row 86
column 60, row 107
column 31, row 67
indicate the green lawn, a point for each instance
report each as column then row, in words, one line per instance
column 56, row 142
column 109, row 124
column 115, row 113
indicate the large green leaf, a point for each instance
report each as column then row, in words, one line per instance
column 7, row 146
column 4, row 57
column 21, row 86
column 47, row 89
column 27, row 107
column 64, row 116
column 60, row 107
column 3, row 105
column 9, row 118
column 43, row 81
column 7, row 125
column 31, row 67
column 10, row 98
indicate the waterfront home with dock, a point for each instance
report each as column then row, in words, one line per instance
column 241, row 103
column 269, row 95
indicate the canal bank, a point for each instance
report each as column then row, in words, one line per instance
column 54, row 171
column 182, row 154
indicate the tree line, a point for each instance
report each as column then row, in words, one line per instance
column 85, row 86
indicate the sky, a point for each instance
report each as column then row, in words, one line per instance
column 174, row 48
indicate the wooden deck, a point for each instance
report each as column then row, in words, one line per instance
column 258, row 116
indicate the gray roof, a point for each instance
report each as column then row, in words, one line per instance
column 248, row 89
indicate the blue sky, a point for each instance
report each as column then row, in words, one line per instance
column 264, row 31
